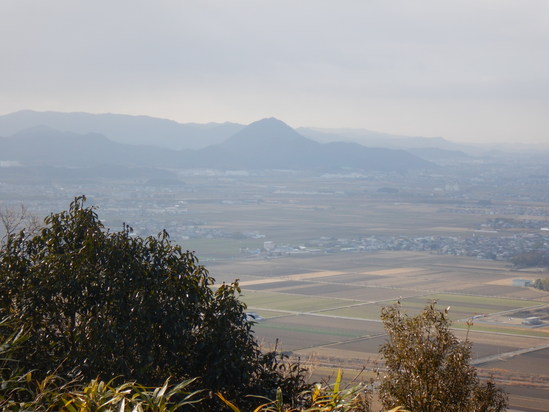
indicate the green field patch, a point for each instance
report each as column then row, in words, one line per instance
column 368, row 311
column 268, row 314
column 306, row 331
column 480, row 301
column 296, row 303
column 455, row 312
column 462, row 306
column 502, row 329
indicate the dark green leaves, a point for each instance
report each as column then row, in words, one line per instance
column 107, row 304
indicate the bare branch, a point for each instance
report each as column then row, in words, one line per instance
column 13, row 220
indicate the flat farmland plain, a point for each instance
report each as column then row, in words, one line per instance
column 289, row 302
column 530, row 369
column 326, row 308
column 409, row 272
column 527, row 398
column 323, row 302
column 308, row 331
column 355, row 287
column 526, row 363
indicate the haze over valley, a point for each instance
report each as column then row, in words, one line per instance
column 335, row 157
column 304, row 216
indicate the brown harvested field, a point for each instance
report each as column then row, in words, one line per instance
column 317, row 275
column 404, row 271
column 346, row 293
column 512, row 341
column 342, row 291
column 372, row 266
column 323, row 289
column 481, row 350
column 306, row 331
column 262, row 268
column 536, row 363
column 365, row 345
column 506, row 329
column 346, row 331
column 483, row 303
column 526, row 398
column 334, row 291
column 354, row 278
column 270, row 285
column 370, row 294
column 288, row 302
column 502, row 291
column 408, row 271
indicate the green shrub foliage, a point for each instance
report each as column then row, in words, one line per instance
column 427, row 367
column 106, row 304
column 542, row 284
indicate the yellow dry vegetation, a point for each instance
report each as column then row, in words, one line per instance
column 299, row 276
column 313, row 275
column 396, row 271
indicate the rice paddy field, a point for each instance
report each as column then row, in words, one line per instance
column 324, row 305
column 326, row 310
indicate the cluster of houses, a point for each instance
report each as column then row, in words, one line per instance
column 482, row 246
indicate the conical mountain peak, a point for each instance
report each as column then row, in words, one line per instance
column 269, row 121
column 266, row 132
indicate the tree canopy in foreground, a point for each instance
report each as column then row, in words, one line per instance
column 427, row 367
column 97, row 303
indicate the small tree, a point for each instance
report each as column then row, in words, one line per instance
column 14, row 219
column 104, row 304
column 542, row 284
column 427, row 367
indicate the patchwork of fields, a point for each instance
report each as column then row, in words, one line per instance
column 327, row 308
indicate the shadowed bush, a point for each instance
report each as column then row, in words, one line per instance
column 101, row 304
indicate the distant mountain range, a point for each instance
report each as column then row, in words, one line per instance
column 135, row 130
column 151, row 131
column 44, row 146
column 265, row 144
column 168, row 134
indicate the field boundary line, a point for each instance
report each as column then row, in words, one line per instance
column 508, row 355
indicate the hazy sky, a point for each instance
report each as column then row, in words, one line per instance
column 467, row 70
